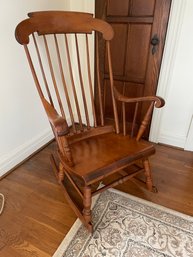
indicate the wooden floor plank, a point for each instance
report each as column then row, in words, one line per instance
column 36, row 216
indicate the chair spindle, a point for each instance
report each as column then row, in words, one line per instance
column 145, row 121
column 33, row 72
column 90, row 81
column 64, row 84
column 112, row 88
column 53, row 76
column 82, row 84
column 73, row 83
column 42, row 70
column 134, row 119
column 99, row 82
column 124, row 113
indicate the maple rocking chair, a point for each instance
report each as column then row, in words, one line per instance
column 88, row 149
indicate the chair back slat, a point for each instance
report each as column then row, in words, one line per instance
column 34, row 74
column 112, row 88
column 124, row 119
column 73, row 83
column 82, row 83
column 90, row 81
column 101, row 106
column 42, row 70
column 64, row 84
column 53, row 76
column 124, row 114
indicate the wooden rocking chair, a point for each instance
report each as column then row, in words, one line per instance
column 89, row 149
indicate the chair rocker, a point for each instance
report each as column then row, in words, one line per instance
column 89, row 149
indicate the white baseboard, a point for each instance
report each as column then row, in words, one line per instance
column 16, row 156
column 172, row 139
column 189, row 140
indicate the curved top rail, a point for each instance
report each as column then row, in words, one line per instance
column 57, row 22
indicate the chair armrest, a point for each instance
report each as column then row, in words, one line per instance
column 153, row 101
column 159, row 102
column 58, row 123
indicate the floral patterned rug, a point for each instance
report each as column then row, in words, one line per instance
column 126, row 226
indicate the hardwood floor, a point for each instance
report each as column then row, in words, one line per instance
column 36, row 216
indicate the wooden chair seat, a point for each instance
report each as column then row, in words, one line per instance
column 97, row 157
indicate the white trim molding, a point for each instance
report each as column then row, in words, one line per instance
column 168, row 60
column 16, row 156
column 172, row 139
column 189, row 139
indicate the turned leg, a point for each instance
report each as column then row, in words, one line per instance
column 148, row 175
column 58, row 169
column 60, row 173
column 87, row 207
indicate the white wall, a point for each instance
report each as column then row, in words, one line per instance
column 81, row 5
column 177, row 77
column 24, row 127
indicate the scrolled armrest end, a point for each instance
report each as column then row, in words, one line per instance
column 61, row 126
column 159, row 102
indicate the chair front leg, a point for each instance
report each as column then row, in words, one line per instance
column 87, row 200
column 61, row 173
column 148, row 175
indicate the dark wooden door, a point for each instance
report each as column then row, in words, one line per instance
column 140, row 29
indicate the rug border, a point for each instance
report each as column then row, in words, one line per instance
column 152, row 204
column 67, row 239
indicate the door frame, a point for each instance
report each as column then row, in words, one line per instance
column 167, row 66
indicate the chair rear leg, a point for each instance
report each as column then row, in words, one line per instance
column 87, row 200
column 148, row 175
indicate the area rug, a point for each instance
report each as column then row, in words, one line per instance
column 126, row 226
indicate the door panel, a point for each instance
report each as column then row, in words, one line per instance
column 136, row 62
column 142, row 8
column 115, row 8
column 137, row 51
column 118, row 57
